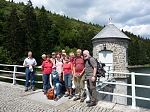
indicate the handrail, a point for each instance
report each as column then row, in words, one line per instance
column 132, row 85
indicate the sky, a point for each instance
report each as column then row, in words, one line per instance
column 129, row 15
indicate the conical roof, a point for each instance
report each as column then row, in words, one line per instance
column 110, row 31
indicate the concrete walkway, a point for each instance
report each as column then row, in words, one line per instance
column 14, row 99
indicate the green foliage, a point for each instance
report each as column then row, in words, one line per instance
column 138, row 51
column 24, row 28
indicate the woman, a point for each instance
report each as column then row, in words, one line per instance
column 67, row 76
column 59, row 65
column 47, row 70
column 55, row 83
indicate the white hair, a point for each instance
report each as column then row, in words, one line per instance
column 43, row 55
column 86, row 52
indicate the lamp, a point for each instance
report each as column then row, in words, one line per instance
column 104, row 46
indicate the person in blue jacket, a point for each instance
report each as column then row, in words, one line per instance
column 55, row 83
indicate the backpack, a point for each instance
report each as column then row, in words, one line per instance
column 100, row 68
column 50, row 94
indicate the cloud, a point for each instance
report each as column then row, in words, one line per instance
column 142, row 30
column 131, row 15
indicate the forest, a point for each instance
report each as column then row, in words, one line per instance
column 24, row 28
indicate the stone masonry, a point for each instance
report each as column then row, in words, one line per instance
column 119, row 50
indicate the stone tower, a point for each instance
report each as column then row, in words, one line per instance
column 110, row 47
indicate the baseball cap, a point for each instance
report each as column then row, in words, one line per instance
column 53, row 53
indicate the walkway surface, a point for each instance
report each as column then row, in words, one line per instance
column 14, row 99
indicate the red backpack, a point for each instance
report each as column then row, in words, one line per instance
column 50, row 94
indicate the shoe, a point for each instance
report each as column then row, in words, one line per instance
column 88, row 101
column 75, row 99
column 91, row 104
column 66, row 94
column 82, row 100
column 45, row 93
column 70, row 96
column 33, row 89
column 26, row 89
column 57, row 98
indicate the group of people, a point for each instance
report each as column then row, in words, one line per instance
column 59, row 68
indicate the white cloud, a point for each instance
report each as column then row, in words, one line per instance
column 131, row 15
column 138, row 30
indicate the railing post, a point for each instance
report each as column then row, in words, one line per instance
column 14, row 75
column 108, row 72
column 133, row 91
column 87, row 92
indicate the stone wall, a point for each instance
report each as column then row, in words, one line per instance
column 120, row 55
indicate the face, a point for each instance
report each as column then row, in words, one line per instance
column 29, row 54
column 57, row 56
column 66, row 59
column 54, row 69
column 71, row 56
column 48, row 58
column 63, row 51
column 78, row 53
column 63, row 56
column 85, row 54
column 53, row 56
column 44, row 57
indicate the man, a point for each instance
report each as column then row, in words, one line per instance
column 29, row 63
column 44, row 58
column 79, row 76
column 90, row 71
column 53, row 57
column 63, row 54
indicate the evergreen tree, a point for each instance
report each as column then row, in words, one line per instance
column 13, row 38
column 45, row 40
column 30, row 29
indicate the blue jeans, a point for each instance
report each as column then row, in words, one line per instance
column 58, row 88
column 46, row 82
column 27, row 71
column 67, row 79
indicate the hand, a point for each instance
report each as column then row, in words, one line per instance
column 80, row 74
column 75, row 75
column 93, row 79
column 53, row 87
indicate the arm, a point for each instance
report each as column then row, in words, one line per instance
column 82, row 72
column 35, row 63
column 42, row 66
column 94, row 64
column 25, row 63
column 63, row 75
column 94, row 72
column 72, row 69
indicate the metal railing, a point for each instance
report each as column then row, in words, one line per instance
column 14, row 72
column 132, row 85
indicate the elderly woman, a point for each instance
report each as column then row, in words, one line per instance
column 67, row 76
column 47, row 70
column 55, row 83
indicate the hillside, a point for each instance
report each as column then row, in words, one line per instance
column 24, row 28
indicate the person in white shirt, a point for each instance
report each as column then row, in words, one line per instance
column 29, row 63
